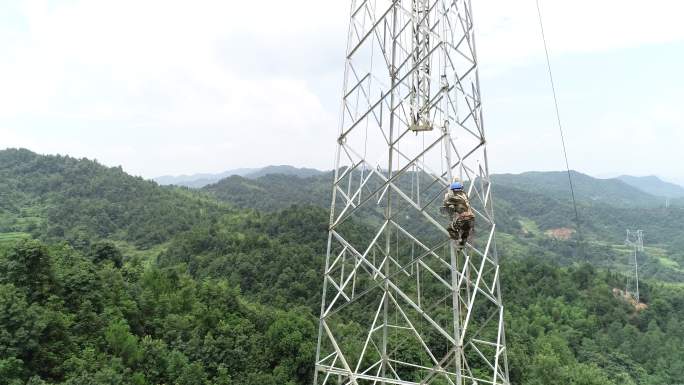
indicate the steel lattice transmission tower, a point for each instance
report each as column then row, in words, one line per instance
column 400, row 304
column 636, row 240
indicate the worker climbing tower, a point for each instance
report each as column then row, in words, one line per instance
column 401, row 304
column 635, row 238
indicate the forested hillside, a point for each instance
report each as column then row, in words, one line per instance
column 284, row 170
column 273, row 192
column 529, row 214
column 654, row 185
column 201, row 180
column 155, row 285
column 62, row 198
column 613, row 192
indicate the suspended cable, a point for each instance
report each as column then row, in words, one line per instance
column 560, row 130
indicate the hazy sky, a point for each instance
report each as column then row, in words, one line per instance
column 171, row 87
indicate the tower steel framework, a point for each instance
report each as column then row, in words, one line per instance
column 401, row 304
column 635, row 238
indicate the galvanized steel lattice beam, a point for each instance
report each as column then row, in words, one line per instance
column 401, row 305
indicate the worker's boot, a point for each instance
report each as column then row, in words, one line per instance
column 461, row 243
column 453, row 233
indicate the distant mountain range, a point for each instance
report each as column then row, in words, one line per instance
column 619, row 191
column 57, row 197
column 201, row 180
column 654, row 185
column 528, row 206
column 614, row 191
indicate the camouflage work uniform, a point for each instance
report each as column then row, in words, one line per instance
column 456, row 203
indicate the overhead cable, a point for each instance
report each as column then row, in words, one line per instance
column 560, row 129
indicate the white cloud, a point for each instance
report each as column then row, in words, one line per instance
column 169, row 87
column 644, row 142
column 509, row 33
column 170, row 73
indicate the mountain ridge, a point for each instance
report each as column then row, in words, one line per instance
column 654, row 185
column 54, row 197
column 203, row 179
column 58, row 196
column 587, row 188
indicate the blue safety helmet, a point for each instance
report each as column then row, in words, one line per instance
column 456, row 186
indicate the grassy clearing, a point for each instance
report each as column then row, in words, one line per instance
column 669, row 263
column 149, row 255
column 13, row 237
column 529, row 226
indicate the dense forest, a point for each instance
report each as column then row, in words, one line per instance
column 528, row 209
column 107, row 278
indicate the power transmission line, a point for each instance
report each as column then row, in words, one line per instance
column 560, row 130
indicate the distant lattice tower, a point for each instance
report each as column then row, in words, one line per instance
column 635, row 238
column 400, row 304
